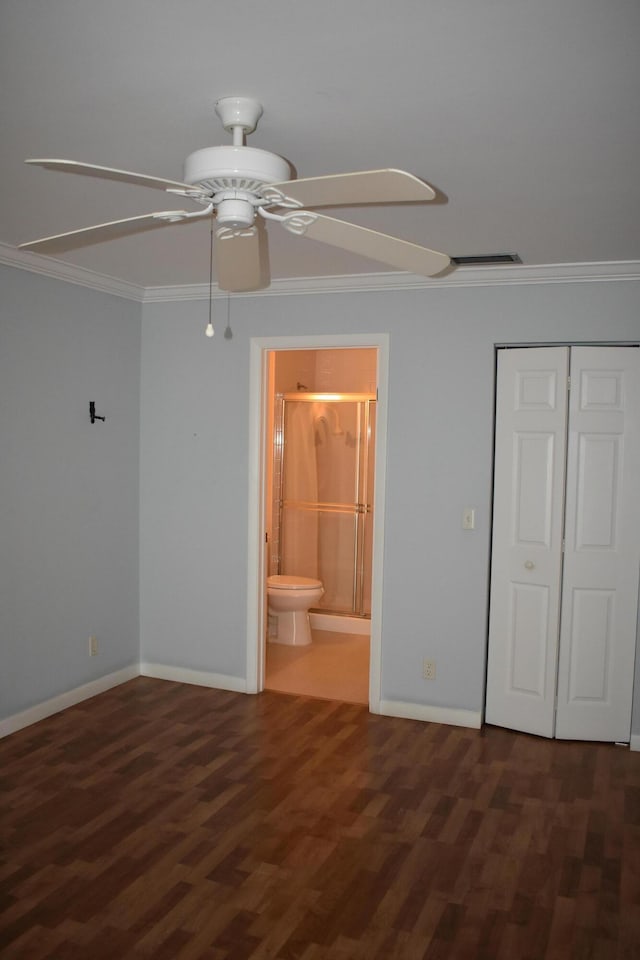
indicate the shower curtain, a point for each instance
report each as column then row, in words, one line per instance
column 299, row 528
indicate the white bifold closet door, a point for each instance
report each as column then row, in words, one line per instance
column 566, row 542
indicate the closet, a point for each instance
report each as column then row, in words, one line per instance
column 566, row 542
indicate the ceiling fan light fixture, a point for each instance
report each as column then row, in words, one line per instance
column 236, row 213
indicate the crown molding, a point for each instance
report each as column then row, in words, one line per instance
column 512, row 275
column 69, row 273
column 374, row 282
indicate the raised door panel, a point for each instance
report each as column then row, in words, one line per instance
column 527, row 639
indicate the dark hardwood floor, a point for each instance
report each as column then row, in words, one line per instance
column 173, row 822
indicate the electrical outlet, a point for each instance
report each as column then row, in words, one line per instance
column 93, row 646
column 428, row 669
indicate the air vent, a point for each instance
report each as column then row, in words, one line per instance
column 487, row 259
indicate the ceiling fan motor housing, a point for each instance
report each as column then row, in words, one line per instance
column 234, row 176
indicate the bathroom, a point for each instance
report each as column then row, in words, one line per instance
column 319, row 511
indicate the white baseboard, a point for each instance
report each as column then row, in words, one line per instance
column 201, row 678
column 69, row 699
column 634, row 743
column 388, row 708
column 430, row 714
column 332, row 622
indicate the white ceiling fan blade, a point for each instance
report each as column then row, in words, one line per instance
column 364, row 186
column 242, row 260
column 109, row 173
column 392, row 251
column 103, row 231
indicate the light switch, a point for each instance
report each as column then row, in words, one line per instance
column 468, row 518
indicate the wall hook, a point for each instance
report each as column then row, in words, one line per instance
column 92, row 412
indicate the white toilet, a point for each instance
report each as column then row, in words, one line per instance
column 289, row 599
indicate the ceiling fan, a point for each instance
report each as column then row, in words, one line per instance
column 242, row 187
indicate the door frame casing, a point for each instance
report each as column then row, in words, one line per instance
column 260, row 348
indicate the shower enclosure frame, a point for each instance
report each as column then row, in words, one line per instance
column 360, row 508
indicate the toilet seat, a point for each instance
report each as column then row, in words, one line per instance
column 284, row 582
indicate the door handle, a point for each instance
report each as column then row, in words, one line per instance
column 529, row 564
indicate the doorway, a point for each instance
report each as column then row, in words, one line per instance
column 265, row 507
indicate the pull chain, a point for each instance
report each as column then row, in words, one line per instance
column 228, row 333
column 209, row 331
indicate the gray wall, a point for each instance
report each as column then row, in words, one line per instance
column 194, row 448
column 69, row 490
column 69, row 505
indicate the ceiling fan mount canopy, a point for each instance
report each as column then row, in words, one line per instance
column 236, row 182
column 243, row 112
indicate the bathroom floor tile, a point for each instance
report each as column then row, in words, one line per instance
column 334, row 667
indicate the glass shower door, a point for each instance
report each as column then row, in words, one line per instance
column 326, row 495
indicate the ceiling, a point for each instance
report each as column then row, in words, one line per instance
column 523, row 115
